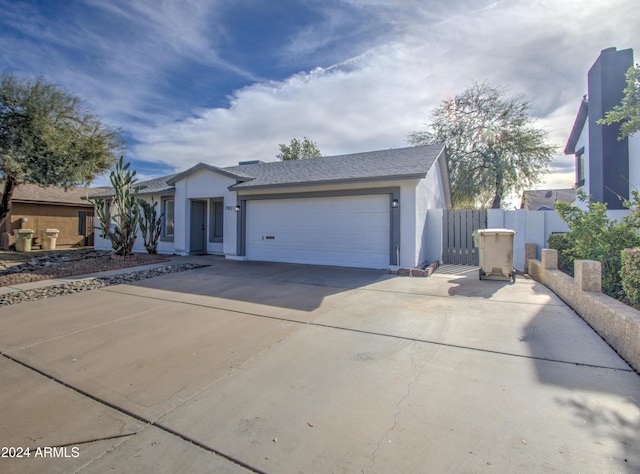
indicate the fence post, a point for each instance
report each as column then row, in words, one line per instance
column 549, row 259
column 588, row 275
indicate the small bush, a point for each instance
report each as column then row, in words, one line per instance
column 562, row 244
column 630, row 275
column 594, row 236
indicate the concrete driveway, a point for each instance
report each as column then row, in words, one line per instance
column 285, row 368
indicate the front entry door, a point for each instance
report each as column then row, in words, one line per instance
column 197, row 228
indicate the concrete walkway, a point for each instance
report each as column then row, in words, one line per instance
column 256, row 367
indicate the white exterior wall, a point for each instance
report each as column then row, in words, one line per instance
column 203, row 185
column 105, row 244
column 429, row 198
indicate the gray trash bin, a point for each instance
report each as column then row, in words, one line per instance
column 496, row 253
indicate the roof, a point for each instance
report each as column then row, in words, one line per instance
column 578, row 126
column 200, row 166
column 399, row 163
column 151, row 186
column 34, row 193
column 545, row 199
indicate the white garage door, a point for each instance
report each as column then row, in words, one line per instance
column 344, row 231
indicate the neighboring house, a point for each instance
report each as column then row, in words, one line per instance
column 359, row 210
column 51, row 208
column 606, row 168
column 545, row 199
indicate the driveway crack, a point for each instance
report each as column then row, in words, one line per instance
column 398, row 407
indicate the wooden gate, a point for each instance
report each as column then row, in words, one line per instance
column 457, row 239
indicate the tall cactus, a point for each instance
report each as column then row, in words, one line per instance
column 119, row 220
column 150, row 225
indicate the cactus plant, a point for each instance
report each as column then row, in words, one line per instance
column 119, row 218
column 150, row 225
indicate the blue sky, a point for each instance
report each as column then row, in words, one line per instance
column 221, row 81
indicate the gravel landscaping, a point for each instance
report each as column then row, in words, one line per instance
column 90, row 284
column 17, row 268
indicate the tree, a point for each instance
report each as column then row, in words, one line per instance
column 628, row 112
column 298, row 150
column 492, row 146
column 48, row 138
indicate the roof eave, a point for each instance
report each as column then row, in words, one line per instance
column 578, row 126
column 329, row 182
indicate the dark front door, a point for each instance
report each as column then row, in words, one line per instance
column 197, row 228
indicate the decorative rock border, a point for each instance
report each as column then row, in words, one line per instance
column 76, row 286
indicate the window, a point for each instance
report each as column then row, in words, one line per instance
column 216, row 217
column 580, row 175
column 82, row 223
column 168, row 223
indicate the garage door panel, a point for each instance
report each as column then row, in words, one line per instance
column 344, row 231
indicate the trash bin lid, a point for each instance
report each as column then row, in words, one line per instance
column 496, row 231
column 25, row 231
column 51, row 230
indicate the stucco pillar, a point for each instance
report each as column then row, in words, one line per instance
column 549, row 259
column 588, row 275
column 530, row 253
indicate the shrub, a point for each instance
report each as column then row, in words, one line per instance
column 594, row 236
column 630, row 275
column 562, row 244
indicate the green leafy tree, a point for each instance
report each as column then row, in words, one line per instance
column 298, row 150
column 628, row 112
column 150, row 225
column 119, row 217
column 48, row 138
column 493, row 148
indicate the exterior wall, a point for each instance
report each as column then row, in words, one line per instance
column 164, row 247
column 52, row 216
column 430, row 195
column 205, row 185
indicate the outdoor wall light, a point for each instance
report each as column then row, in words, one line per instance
column 395, row 203
column 237, row 208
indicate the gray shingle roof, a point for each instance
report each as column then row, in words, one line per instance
column 399, row 163
column 152, row 186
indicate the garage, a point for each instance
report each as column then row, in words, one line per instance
column 350, row 231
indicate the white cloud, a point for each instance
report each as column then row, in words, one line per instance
column 542, row 49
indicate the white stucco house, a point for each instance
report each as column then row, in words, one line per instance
column 364, row 210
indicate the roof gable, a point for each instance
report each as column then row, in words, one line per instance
column 214, row 169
